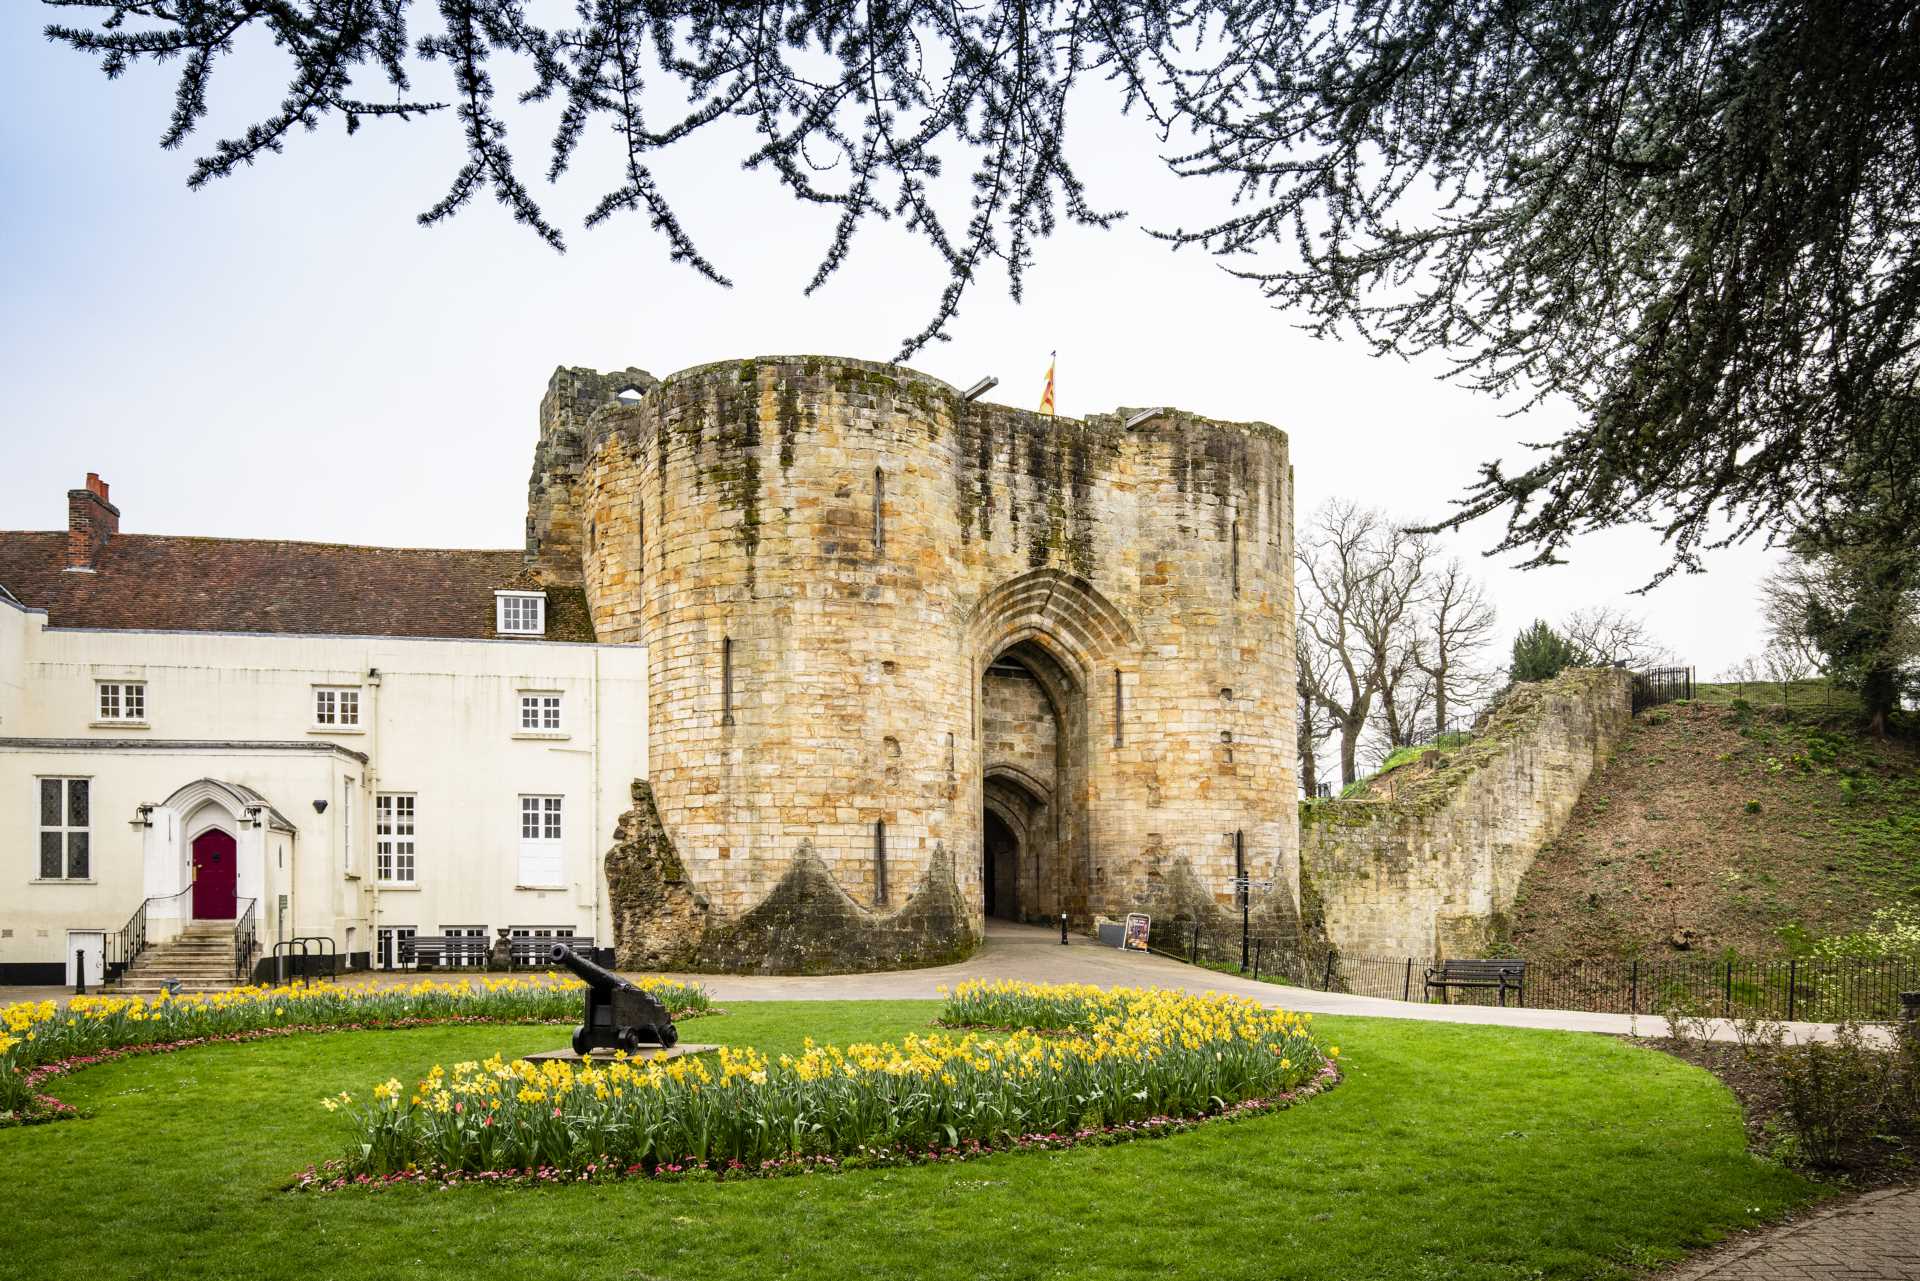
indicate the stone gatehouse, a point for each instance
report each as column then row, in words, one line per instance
column 914, row 660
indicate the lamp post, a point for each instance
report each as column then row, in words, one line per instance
column 1244, row 886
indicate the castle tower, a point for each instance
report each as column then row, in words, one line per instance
column 915, row 661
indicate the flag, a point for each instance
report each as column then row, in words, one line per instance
column 1046, row 397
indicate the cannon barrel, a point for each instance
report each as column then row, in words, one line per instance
column 593, row 975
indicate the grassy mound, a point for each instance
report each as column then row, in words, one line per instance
column 1729, row 825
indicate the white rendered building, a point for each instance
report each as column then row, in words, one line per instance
column 308, row 740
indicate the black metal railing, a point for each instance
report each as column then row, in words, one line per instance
column 246, row 939
column 125, row 945
column 1659, row 685
column 1791, row 988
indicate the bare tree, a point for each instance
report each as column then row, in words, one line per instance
column 1406, row 691
column 1852, row 610
column 1388, row 628
column 1312, row 725
column 1786, row 663
column 1455, row 627
column 1362, row 583
column 1748, row 671
column 1611, row 636
column 1790, row 598
column 1338, row 565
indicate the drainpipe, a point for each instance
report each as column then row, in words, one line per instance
column 370, row 775
column 593, row 827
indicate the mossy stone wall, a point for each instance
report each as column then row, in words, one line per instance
column 823, row 556
column 1423, row 864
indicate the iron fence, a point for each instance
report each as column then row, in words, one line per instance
column 1659, row 685
column 1794, row 989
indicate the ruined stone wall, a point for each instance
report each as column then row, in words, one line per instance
column 824, row 556
column 1426, row 862
column 556, row 539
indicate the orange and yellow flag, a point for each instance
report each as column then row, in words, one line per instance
column 1046, row 397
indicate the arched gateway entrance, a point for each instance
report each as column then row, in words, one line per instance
column 1033, row 792
column 1041, row 641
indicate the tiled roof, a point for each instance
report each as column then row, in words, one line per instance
column 246, row 585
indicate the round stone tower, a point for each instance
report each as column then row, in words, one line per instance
column 914, row 661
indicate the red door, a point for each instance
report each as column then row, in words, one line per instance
column 214, row 876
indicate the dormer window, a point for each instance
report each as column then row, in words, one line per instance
column 520, row 613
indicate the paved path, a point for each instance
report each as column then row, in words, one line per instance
column 1873, row 1238
column 1033, row 954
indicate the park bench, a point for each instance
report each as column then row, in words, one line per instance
column 1505, row 976
column 537, row 952
column 436, row 950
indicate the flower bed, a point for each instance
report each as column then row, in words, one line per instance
column 39, row 1039
column 1098, row 1065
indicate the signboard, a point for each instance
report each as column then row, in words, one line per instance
column 1137, row 925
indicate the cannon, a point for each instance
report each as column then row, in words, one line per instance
column 619, row 1015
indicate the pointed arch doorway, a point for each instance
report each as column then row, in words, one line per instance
column 1032, row 791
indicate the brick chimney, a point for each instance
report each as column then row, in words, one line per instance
column 91, row 521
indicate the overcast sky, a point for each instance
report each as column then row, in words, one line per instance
column 286, row 354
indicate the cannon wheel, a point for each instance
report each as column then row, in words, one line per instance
column 669, row 1035
column 628, row 1039
column 582, row 1041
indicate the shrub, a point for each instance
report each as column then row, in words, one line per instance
column 1540, row 653
column 1687, row 1018
column 1834, row 1094
column 1088, row 1060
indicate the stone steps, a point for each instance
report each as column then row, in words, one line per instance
column 199, row 959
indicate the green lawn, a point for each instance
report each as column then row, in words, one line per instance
column 1449, row 1152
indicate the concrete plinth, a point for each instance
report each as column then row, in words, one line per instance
column 606, row 1056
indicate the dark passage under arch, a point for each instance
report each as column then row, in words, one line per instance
column 1000, row 862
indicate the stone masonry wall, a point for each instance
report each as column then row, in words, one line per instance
column 824, row 556
column 1018, row 727
column 1424, row 865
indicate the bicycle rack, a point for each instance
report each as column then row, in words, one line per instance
column 306, row 949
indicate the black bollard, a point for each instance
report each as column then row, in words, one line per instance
column 80, row 973
column 1063, row 929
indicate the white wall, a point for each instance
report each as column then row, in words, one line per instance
column 15, row 623
column 440, row 720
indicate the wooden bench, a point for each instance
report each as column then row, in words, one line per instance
column 451, row 951
column 536, row 953
column 1506, row 976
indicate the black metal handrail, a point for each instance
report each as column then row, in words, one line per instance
column 125, row 945
column 246, row 939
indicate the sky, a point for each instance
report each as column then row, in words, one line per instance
column 287, row 354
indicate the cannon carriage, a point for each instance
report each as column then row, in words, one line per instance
column 619, row 1015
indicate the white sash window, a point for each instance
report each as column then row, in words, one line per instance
column 540, row 858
